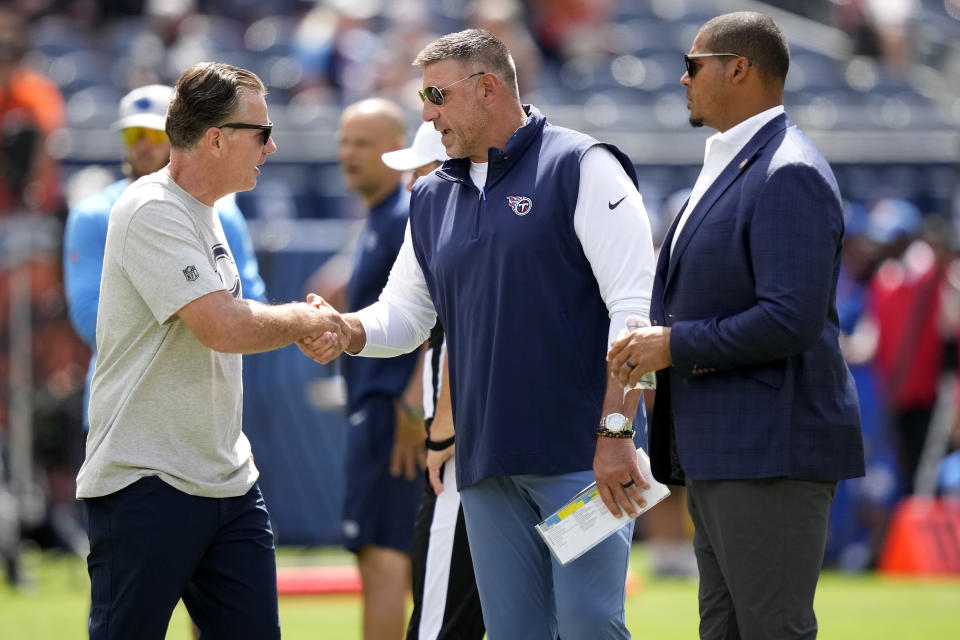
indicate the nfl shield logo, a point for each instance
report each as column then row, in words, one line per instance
column 521, row 205
column 191, row 273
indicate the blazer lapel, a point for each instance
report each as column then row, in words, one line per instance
column 730, row 173
column 663, row 261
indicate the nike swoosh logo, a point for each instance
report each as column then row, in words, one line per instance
column 614, row 205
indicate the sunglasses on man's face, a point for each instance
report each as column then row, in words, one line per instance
column 689, row 60
column 133, row 135
column 435, row 94
column 265, row 128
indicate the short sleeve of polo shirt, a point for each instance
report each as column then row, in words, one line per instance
column 168, row 258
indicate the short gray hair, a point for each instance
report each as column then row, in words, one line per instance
column 206, row 95
column 474, row 47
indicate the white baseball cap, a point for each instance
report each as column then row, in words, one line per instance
column 426, row 148
column 145, row 107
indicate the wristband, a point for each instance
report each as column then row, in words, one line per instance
column 413, row 412
column 435, row 445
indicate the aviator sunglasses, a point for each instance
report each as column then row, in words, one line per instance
column 265, row 128
column 692, row 67
column 132, row 135
column 435, row 94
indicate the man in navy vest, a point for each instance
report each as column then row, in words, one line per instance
column 756, row 410
column 532, row 246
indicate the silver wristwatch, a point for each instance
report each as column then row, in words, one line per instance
column 615, row 423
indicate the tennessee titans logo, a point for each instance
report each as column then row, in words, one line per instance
column 191, row 273
column 521, row 205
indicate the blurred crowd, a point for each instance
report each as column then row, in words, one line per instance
column 65, row 64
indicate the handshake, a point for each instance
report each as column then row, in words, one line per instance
column 329, row 332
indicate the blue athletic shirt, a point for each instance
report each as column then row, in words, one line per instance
column 377, row 249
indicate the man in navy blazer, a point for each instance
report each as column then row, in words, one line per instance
column 756, row 411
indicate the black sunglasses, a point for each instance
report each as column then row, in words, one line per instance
column 692, row 67
column 267, row 129
column 435, row 94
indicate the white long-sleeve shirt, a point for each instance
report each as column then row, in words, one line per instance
column 719, row 150
column 611, row 223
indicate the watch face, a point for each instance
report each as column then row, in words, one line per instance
column 616, row 422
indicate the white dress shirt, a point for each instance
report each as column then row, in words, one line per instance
column 617, row 242
column 720, row 149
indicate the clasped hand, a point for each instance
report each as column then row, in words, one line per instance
column 638, row 352
column 331, row 335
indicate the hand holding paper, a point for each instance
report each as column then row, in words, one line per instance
column 584, row 521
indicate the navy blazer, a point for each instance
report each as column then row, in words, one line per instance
column 758, row 387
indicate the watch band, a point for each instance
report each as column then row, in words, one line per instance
column 605, row 433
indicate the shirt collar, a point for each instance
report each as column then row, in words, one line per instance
column 737, row 136
column 500, row 160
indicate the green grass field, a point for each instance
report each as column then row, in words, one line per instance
column 848, row 607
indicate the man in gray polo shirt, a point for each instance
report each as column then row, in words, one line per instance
column 169, row 480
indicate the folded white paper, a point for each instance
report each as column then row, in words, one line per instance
column 584, row 521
